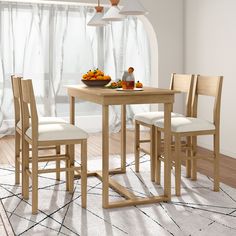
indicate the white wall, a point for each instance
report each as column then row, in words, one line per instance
column 167, row 20
column 210, row 37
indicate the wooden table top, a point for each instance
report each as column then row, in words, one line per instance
column 106, row 96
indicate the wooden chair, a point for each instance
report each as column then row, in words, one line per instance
column 180, row 82
column 17, row 98
column 193, row 127
column 45, row 135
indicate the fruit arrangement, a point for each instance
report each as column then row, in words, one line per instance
column 114, row 85
column 96, row 75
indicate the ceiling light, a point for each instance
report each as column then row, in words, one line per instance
column 113, row 13
column 133, row 7
column 96, row 20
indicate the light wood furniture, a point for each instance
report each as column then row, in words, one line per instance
column 193, row 127
column 107, row 97
column 179, row 82
column 17, row 98
column 45, row 135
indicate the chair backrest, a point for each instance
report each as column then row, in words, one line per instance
column 29, row 109
column 208, row 86
column 183, row 83
column 17, row 96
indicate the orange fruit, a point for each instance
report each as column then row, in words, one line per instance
column 90, row 73
column 139, row 85
column 106, row 77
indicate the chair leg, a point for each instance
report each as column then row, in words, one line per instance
column 194, row 161
column 152, row 152
column 17, row 157
column 177, row 165
column 157, row 156
column 25, row 167
column 67, row 166
column 84, row 173
column 34, row 179
column 58, row 152
column 71, row 165
column 216, row 162
column 188, row 162
column 136, row 145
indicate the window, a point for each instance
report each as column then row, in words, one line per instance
column 53, row 46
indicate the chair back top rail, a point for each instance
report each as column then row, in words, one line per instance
column 208, row 86
column 183, row 83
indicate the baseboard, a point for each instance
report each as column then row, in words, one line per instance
column 222, row 151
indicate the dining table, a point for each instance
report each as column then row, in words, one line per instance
column 106, row 98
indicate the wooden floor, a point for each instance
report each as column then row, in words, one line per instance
column 227, row 164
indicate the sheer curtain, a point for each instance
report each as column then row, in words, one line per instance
column 127, row 45
column 53, row 46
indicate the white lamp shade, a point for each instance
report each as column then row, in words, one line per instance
column 133, row 7
column 96, row 20
column 113, row 14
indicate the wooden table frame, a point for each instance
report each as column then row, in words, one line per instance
column 107, row 97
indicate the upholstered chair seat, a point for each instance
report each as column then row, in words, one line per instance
column 187, row 124
column 48, row 132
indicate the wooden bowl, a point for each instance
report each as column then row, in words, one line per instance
column 96, row 83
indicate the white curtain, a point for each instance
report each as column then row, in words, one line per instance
column 53, row 46
column 126, row 45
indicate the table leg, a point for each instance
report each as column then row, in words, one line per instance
column 167, row 150
column 123, row 138
column 72, row 110
column 105, row 156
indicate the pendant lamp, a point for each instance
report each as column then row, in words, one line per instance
column 113, row 13
column 133, row 7
column 96, row 20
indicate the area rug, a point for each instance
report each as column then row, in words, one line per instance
column 199, row 210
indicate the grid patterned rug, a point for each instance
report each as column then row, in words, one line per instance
column 199, row 210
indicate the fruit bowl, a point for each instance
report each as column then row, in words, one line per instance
column 96, row 78
column 96, row 83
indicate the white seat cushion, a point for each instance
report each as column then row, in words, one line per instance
column 46, row 120
column 49, row 132
column 151, row 117
column 187, row 124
